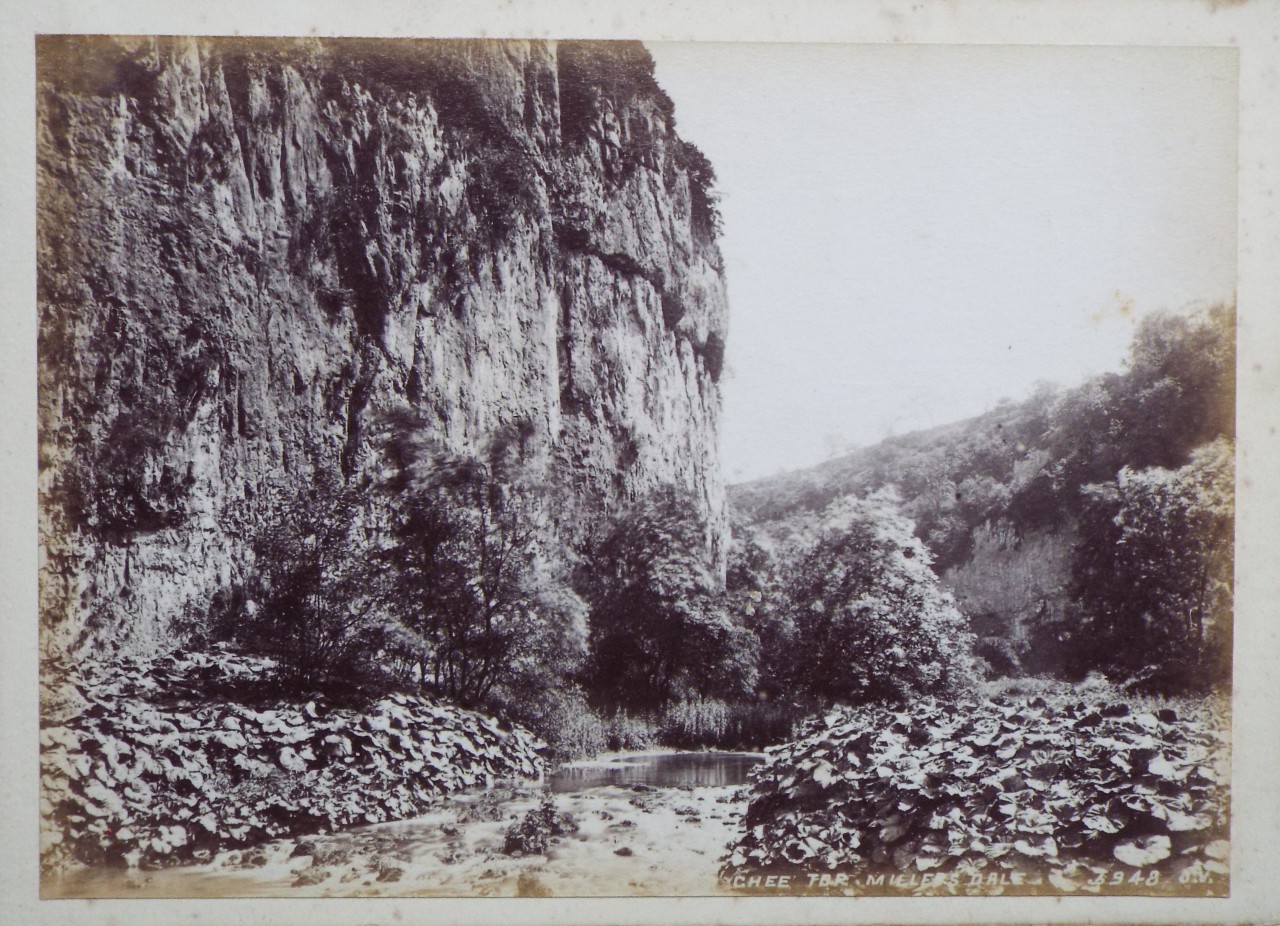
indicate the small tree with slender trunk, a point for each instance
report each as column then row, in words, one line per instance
column 313, row 599
column 474, row 582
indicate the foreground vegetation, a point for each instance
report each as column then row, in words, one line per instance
column 158, row 762
column 1037, row 793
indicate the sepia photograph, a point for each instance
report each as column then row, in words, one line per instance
column 485, row 467
column 390, row 430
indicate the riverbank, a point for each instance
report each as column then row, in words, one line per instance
column 629, row 841
column 149, row 763
column 1051, row 793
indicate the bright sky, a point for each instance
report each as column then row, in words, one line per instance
column 912, row 233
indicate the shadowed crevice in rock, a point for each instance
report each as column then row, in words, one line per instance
column 250, row 251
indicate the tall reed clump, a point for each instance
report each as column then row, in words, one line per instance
column 694, row 722
column 707, row 723
column 627, row 732
column 571, row 728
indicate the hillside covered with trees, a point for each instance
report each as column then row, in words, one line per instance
column 1083, row 529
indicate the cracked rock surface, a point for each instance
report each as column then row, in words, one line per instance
column 250, row 250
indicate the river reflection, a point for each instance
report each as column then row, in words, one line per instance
column 667, row 770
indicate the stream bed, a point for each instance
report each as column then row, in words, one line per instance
column 658, row 770
column 648, row 824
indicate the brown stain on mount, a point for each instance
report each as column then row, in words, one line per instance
column 1123, row 308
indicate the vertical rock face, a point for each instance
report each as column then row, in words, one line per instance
column 1012, row 581
column 249, row 249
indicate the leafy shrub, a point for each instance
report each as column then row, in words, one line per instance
column 501, row 189
column 1060, row 789
column 313, row 601
column 713, row 355
column 1153, row 574
column 532, row 833
column 757, row 724
column 592, row 72
column 569, row 726
column 705, row 206
column 864, row 617
column 152, row 770
column 658, row 625
column 1000, row 653
column 626, row 732
column 488, row 613
column 126, row 498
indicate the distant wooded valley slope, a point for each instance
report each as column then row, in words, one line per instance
column 1019, row 505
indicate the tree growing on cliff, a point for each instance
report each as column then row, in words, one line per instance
column 659, row 627
column 483, row 606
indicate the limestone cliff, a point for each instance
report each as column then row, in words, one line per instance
column 250, row 249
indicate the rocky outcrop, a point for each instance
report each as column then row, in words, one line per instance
column 250, row 250
column 1012, row 583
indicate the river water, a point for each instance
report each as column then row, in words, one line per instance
column 647, row 824
column 663, row 770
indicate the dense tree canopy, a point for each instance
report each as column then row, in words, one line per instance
column 478, row 593
column 1057, row 470
column 659, row 627
column 1153, row 576
column 864, row 615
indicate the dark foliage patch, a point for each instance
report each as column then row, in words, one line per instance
column 1062, row 791
column 141, row 774
column 532, row 834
